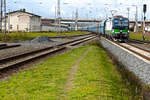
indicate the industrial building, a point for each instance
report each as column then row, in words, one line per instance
column 21, row 20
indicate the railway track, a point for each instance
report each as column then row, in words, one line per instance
column 5, row 46
column 139, row 41
column 66, row 36
column 1, row 45
column 135, row 49
column 139, row 51
column 145, row 46
column 16, row 60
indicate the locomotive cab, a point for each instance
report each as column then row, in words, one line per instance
column 120, row 28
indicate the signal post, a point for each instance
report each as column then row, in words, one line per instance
column 144, row 11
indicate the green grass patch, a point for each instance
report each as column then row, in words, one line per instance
column 96, row 79
column 20, row 36
column 44, row 81
column 139, row 35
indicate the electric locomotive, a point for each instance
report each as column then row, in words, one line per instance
column 116, row 28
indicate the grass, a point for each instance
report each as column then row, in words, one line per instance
column 44, row 81
column 20, row 36
column 96, row 79
column 139, row 35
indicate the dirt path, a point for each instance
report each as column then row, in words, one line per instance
column 69, row 83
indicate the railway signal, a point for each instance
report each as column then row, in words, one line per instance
column 144, row 11
column 144, row 8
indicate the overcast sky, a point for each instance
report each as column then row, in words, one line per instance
column 87, row 8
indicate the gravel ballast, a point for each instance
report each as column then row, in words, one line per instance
column 134, row 63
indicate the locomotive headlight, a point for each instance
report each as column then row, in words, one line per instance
column 113, row 31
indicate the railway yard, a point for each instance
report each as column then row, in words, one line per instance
column 74, row 67
column 74, row 50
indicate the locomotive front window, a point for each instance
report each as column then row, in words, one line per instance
column 120, row 24
column 125, row 23
column 117, row 22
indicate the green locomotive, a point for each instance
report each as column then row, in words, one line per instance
column 116, row 28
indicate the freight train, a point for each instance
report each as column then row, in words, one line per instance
column 115, row 28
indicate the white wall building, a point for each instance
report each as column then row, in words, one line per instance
column 23, row 21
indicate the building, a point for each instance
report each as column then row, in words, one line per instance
column 21, row 20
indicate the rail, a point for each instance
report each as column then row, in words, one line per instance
column 17, row 60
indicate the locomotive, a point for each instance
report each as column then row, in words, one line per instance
column 116, row 28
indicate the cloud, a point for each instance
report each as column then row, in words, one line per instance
column 92, row 8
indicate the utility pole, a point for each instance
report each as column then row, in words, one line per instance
column 1, row 15
column 55, row 13
column 128, row 9
column 8, row 21
column 55, row 19
column 87, row 16
column 76, row 21
column 136, row 19
column 72, row 19
column 5, row 18
column 58, row 14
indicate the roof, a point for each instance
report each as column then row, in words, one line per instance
column 119, row 16
column 24, row 11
